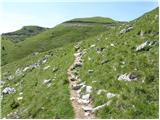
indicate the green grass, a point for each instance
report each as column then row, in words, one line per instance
column 36, row 95
column 51, row 39
column 138, row 99
column 93, row 19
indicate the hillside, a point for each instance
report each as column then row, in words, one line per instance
column 23, row 33
column 52, row 38
column 84, row 72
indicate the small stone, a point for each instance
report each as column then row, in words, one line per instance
column 100, row 91
column 45, row 68
column 8, row 90
column 47, row 81
column 94, row 81
column 76, row 87
column 18, row 72
column 104, row 61
column 86, row 97
column 86, row 114
column 101, row 106
column 19, row 98
column 55, row 69
column 25, row 69
column 92, row 45
column 11, row 77
column 88, row 89
column 21, row 93
column 90, row 71
column 127, row 77
column 110, row 95
column 86, row 108
column 112, row 45
column 72, row 98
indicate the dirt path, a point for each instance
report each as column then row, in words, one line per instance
column 80, row 113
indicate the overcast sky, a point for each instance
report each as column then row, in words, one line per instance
column 48, row 13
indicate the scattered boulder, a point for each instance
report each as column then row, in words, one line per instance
column 88, row 89
column 18, row 72
column 11, row 77
column 55, row 69
column 76, row 86
column 73, row 77
column 103, row 62
column 142, row 46
column 47, row 81
column 126, row 30
column 90, row 71
column 101, row 106
column 19, row 98
column 25, row 69
column 45, row 68
column 86, row 97
column 123, row 31
column 127, row 77
column 93, row 45
column 8, row 90
column 100, row 91
column 111, row 95
column 21, row 93
column 112, row 45
column 35, row 53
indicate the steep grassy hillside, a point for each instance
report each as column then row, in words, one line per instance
column 23, row 33
column 134, row 99
column 52, row 38
column 40, row 99
column 40, row 79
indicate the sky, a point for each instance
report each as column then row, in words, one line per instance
column 47, row 13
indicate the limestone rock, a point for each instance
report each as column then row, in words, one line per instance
column 86, row 97
column 127, row 77
column 19, row 98
column 87, row 108
column 8, row 90
column 11, row 77
column 88, row 89
column 47, row 81
column 111, row 95
column 101, row 106
column 45, row 68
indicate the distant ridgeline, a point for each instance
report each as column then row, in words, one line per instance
column 22, row 34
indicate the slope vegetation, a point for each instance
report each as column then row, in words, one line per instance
column 119, row 64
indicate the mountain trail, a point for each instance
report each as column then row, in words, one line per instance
column 78, row 107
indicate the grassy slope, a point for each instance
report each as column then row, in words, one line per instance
column 40, row 101
column 52, row 38
column 23, row 33
column 137, row 99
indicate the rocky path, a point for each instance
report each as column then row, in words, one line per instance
column 81, row 103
